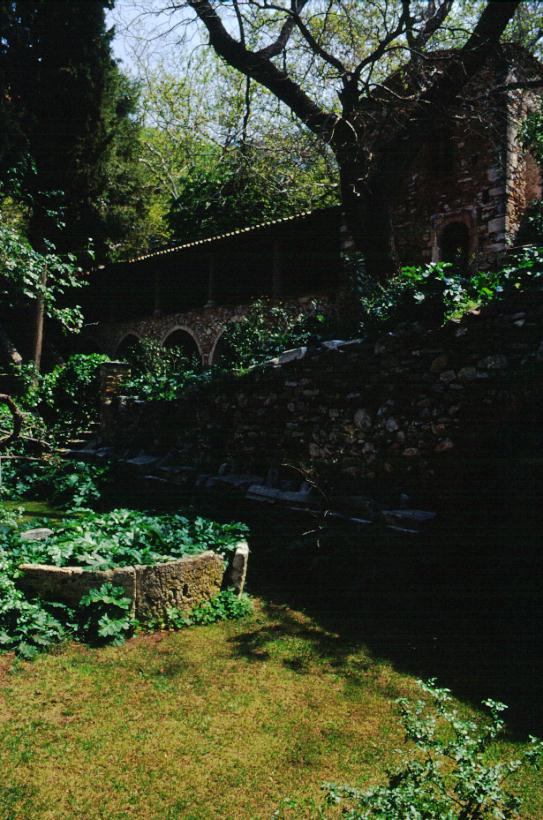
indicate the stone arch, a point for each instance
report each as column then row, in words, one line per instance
column 455, row 237
column 454, row 244
column 126, row 344
column 215, row 352
column 182, row 337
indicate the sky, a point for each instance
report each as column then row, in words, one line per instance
column 141, row 25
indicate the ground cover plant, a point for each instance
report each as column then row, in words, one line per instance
column 446, row 771
column 126, row 537
column 72, row 485
column 118, row 538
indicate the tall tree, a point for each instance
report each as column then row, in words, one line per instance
column 73, row 116
column 216, row 159
column 69, row 110
column 307, row 51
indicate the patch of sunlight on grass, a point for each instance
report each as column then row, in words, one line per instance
column 221, row 721
column 36, row 509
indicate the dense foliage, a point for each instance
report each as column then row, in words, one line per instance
column 237, row 188
column 71, row 118
column 118, row 538
column 447, row 772
column 22, row 270
column 437, row 291
column 127, row 537
column 69, row 394
column 70, row 485
column 157, row 372
column 217, row 152
column 268, row 329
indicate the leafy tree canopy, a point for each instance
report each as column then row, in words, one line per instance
column 69, row 112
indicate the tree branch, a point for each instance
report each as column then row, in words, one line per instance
column 460, row 68
column 434, row 22
column 262, row 70
column 17, row 417
column 279, row 44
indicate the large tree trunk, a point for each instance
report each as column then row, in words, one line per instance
column 39, row 320
column 369, row 222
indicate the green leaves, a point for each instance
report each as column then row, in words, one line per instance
column 445, row 773
column 73, row 485
column 227, row 605
column 21, row 274
column 127, row 537
column 439, row 291
column 269, row 329
column 104, row 615
column 159, row 373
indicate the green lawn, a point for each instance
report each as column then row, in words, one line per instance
column 213, row 722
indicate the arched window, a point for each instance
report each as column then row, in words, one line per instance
column 182, row 340
column 454, row 245
column 126, row 345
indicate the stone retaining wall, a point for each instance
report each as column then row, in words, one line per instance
column 152, row 589
column 398, row 410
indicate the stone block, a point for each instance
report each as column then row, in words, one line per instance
column 237, row 571
column 37, row 534
column 496, row 225
column 69, row 584
column 181, row 584
column 292, row 355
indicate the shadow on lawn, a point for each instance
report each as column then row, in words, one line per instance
column 462, row 604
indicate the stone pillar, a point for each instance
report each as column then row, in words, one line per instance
column 212, row 281
column 237, row 572
column 277, row 269
column 112, row 377
column 157, row 302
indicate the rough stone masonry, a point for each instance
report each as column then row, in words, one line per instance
column 152, row 589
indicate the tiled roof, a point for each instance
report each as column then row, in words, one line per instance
column 230, row 234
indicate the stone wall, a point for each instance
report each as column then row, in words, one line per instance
column 472, row 170
column 205, row 325
column 397, row 411
column 151, row 589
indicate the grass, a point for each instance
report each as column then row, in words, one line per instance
column 37, row 509
column 214, row 722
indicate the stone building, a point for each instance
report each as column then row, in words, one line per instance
column 463, row 201
column 471, row 182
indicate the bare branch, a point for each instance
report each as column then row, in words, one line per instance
column 434, row 22
column 262, row 70
column 280, row 43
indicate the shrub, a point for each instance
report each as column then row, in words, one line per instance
column 73, row 387
column 158, row 372
column 447, row 773
column 437, row 291
column 227, row 605
column 268, row 329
